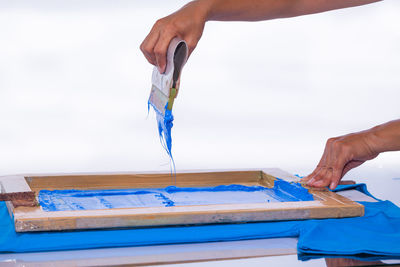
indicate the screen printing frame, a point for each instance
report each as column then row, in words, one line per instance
column 326, row 204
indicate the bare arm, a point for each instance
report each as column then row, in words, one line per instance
column 386, row 137
column 188, row 22
column 255, row 10
column 346, row 152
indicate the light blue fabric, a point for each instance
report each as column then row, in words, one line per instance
column 377, row 233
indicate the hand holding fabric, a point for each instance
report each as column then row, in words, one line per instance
column 346, row 152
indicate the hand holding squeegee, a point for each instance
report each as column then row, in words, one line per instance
column 165, row 88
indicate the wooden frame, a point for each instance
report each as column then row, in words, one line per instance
column 326, row 204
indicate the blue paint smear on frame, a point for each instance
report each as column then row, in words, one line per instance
column 61, row 200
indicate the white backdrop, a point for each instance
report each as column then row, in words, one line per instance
column 74, row 88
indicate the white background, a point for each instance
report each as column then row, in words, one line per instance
column 74, row 88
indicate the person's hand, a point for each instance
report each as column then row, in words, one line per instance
column 187, row 24
column 342, row 154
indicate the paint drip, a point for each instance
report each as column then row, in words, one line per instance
column 62, row 200
column 165, row 124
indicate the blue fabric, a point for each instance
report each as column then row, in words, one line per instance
column 375, row 234
column 10, row 241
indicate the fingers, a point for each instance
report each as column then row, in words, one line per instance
column 341, row 154
column 337, row 174
column 316, row 170
column 187, row 23
column 311, row 178
column 160, row 49
column 341, row 171
column 148, row 45
column 155, row 46
column 322, row 178
column 330, row 169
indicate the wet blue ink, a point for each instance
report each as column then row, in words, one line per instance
column 60, row 200
column 101, row 199
column 164, row 123
column 290, row 191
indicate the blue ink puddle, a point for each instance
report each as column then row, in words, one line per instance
column 62, row 200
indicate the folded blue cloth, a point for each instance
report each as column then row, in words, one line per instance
column 375, row 234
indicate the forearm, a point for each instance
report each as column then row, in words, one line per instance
column 385, row 137
column 188, row 22
column 255, row 10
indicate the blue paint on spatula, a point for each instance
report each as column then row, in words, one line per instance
column 165, row 89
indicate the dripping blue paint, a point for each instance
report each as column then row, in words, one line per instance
column 61, row 200
column 164, row 123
